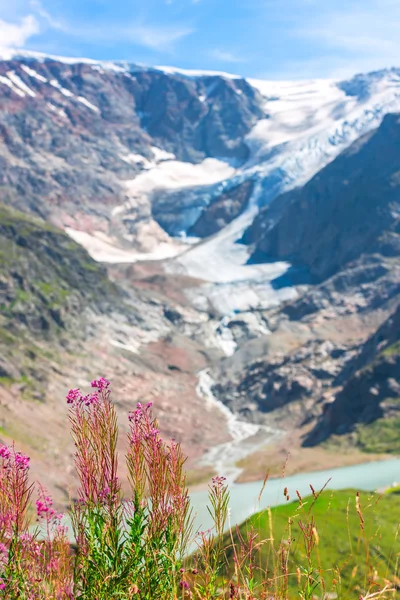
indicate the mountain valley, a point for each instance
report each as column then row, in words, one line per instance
column 226, row 248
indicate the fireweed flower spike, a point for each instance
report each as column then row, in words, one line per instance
column 97, row 516
column 160, row 503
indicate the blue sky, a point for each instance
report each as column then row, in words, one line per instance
column 274, row 39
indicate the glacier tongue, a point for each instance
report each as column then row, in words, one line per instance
column 309, row 123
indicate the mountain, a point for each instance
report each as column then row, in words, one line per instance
column 74, row 137
column 350, row 208
column 330, row 364
column 159, row 174
column 125, row 156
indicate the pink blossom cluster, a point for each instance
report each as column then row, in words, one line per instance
column 218, row 481
column 75, row 397
column 44, row 507
column 20, row 461
column 5, row 452
column 101, row 384
column 137, row 415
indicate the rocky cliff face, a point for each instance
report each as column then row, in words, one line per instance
column 197, row 118
column 348, row 209
column 370, row 392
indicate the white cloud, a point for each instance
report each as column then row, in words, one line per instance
column 37, row 6
column 16, row 34
column 356, row 36
column 226, row 56
column 156, row 37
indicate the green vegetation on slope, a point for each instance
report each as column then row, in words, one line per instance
column 350, row 552
column 44, row 275
column 382, row 435
column 47, row 282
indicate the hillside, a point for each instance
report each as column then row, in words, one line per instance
column 348, row 209
column 63, row 320
column 50, row 289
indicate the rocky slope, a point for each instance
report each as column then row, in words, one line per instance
column 368, row 403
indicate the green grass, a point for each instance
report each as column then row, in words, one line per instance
column 392, row 350
column 393, row 490
column 7, row 381
column 345, row 553
column 382, row 435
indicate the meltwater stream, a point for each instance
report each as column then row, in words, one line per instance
column 246, row 437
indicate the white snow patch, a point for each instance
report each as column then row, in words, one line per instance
column 86, row 102
column 34, row 74
column 101, row 249
column 19, row 53
column 8, row 83
column 56, row 109
column 20, row 84
column 174, row 174
column 134, row 348
column 56, row 84
column 161, row 155
column 196, row 72
column 137, row 159
column 296, row 108
column 225, row 337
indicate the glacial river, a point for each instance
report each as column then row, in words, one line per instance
column 244, row 496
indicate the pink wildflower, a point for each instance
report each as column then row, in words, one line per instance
column 21, row 460
column 90, row 399
column 184, row 585
column 101, row 384
column 73, row 396
column 5, row 452
column 218, row 481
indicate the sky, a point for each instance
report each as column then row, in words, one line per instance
column 268, row 39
